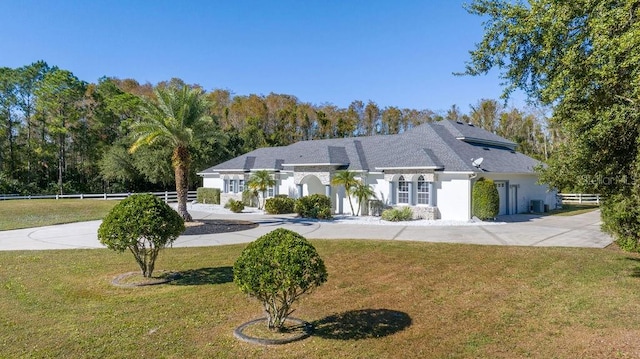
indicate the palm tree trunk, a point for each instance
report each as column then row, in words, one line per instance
column 181, row 160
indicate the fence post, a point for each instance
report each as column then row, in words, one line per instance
column 81, row 195
column 105, row 196
column 57, row 196
column 579, row 197
column 166, row 197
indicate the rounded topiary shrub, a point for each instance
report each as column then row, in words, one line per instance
column 277, row 269
column 314, row 206
column 234, row 206
column 143, row 224
column 486, row 200
column 279, row 205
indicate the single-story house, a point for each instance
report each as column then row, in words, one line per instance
column 431, row 168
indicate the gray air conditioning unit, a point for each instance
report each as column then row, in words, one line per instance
column 537, row 206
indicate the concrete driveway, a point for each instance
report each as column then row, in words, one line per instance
column 518, row 230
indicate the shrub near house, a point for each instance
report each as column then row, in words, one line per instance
column 486, row 200
column 314, row 206
column 279, row 205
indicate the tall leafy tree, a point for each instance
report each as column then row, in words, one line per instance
column 60, row 105
column 177, row 118
column 8, row 122
column 29, row 78
column 581, row 57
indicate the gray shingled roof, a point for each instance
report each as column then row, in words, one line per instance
column 444, row 145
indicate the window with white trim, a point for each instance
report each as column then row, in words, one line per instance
column 403, row 190
column 227, row 186
column 270, row 191
column 423, row 191
column 241, row 185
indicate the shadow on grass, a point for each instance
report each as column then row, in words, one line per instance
column 218, row 275
column 361, row 324
column 635, row 272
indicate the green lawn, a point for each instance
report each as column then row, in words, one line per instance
column 383, row 299
column 574, row 209
column 16, row 214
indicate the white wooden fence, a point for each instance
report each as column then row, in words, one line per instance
column 580, row 198
column 168, row 197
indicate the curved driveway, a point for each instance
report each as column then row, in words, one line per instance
column 519, row 230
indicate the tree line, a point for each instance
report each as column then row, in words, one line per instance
column 60, row 134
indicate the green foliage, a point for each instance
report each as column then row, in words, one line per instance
column 277, row 269
column 486, row 200
column 363, row 192
column 143, row 224
column 259, row 183
column 581, row 58
column 234, row 205
column 314, row 206
column 397, row 214
column 208, row 195
column 279, row 205
column 249, row 198
column 177, row 117
column 620, row 217
column 348, row 180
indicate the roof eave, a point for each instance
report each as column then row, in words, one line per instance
column 410, row 168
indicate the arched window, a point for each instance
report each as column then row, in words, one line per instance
column 403, row 190
column 423, row 191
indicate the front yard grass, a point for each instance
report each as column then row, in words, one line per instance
column 574, row 209
column 383, row 299
column 16, row 214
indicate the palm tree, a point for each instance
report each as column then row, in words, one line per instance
column 178, row 117
column 259, row 182
column 363, row 192
column 348, row 180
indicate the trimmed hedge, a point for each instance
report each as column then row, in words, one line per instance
column 234, row 206
column 314, row 206
column 208, row 195
column 279, row 205
column 397, row 214
column 486, row 200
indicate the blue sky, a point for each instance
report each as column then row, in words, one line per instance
column 396, row 53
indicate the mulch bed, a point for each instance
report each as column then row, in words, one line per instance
column 213, row 226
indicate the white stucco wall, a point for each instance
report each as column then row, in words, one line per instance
column 527, row 189
column 287, row 185
column 212, row 182
column 453, row 196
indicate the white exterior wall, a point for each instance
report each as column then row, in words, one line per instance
column 213, row 182
column 527, row 189
column 453, row 196
column 380, row 186
column 287, row 185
